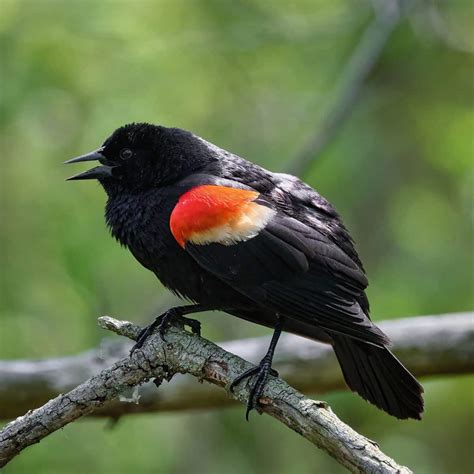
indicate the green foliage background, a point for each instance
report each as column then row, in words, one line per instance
column 255, row 77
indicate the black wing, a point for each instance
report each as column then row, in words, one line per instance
column 296, row 271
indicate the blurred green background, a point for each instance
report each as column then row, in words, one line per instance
column 255, row 77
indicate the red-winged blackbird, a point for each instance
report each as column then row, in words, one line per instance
column 229, row 235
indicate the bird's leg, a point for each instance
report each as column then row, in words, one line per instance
column 262, row 371
column 163, row 321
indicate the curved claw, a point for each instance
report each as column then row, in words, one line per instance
column 163, row 322
column 262, row 371
column 249, row 373
column 257, row 391
column 169, row 319
column 163, row 326
column 239, row 378
column 251, row 404
column 194, row 324
column 142, row 337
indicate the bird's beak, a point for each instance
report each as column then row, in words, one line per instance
column 98, row 172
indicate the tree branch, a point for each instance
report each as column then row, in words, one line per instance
column 428, row 345
column 187, row 353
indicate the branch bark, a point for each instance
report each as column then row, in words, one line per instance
column 428, row 345
column 187, row 353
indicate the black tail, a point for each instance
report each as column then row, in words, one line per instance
column 379, row 377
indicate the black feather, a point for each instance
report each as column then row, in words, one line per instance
column 379, row 377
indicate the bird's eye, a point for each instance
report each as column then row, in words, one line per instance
column 126, row 153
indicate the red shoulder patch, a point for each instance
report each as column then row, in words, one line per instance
column 211, row 213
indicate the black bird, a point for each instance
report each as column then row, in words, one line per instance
column 229, row 235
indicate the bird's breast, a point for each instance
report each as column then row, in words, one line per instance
column 139, row 222
column 142, row 224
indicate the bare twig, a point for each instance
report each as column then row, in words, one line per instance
column 428, row 345
column 352, row 78
column 187, row 353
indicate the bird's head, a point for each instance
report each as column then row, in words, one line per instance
column 140, row 156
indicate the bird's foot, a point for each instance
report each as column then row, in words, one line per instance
column 261, row 371
column 162, row 323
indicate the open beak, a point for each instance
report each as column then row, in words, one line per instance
column 103, row 171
